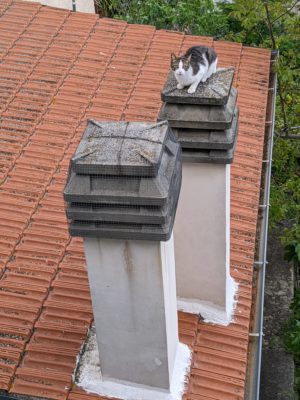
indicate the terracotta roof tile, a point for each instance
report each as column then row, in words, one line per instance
column 42, row 383
column 79, row 394
column 216, row 386
column 58, row 69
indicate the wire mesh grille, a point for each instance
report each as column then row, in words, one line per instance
column 124, row 181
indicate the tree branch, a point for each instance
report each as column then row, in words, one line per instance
column 287, row 11
column 269, row 25
column 294, row 137
column 274, row 47
column 282, row 134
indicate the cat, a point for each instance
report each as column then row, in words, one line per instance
column 195, row 66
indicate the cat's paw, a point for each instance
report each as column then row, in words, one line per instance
column 191, row 90
column 179, row 86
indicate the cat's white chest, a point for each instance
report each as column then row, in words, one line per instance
column 200, row 66
column 186, row 78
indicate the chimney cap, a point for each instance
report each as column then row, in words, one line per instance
column 208, row 139
column 121, row 148
column 200, row 117
column 122, row 196
column 215, row 91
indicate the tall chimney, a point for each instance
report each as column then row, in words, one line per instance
column 206, row 125
column 122, row 195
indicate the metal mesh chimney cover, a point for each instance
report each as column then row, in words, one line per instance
column 195, row 116
column 124, row 181
column 205, row 122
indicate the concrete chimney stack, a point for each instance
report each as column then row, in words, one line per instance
column 206, row 125
column 122, row 195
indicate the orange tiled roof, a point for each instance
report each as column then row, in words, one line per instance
column 57, row 69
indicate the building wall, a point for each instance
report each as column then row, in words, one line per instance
column 76, row 5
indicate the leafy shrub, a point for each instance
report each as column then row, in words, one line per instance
column 291, row 336
column 200, row 17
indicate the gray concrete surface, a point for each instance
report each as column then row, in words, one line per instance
column 214, row 91
column 197, row 116
column 121, row 148
column 117, row 213
column 277, row 377
column 209, row 156
column 134, row 304
column 125, row 230
column 207, row 139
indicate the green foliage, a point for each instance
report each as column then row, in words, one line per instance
column 285, row 155
column 285, row 196
column 200, row 17
column 292, row 251
column 285, row 191
column 246, row 22
column 291, row 336
column 109, row 8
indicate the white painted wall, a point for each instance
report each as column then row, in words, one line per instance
column 80, row 5
column 134, row 304
column 202, row 242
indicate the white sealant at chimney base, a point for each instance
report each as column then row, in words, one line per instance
column 89, row 378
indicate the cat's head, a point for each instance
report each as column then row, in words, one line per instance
column 180, row 65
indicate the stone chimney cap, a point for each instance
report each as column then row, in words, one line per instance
column 122, row 190
column 121, row 148
column 215, row 91
column 122, row 194
column 204, row 146
column 194, row 116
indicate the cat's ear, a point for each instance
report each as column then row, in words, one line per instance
column 189, row 57
column 173, row 57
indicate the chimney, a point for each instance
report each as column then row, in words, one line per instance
column 206, row 125
column 122, row 195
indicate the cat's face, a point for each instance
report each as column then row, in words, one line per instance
column 180, row 65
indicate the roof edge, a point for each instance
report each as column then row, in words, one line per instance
column 252, row 386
